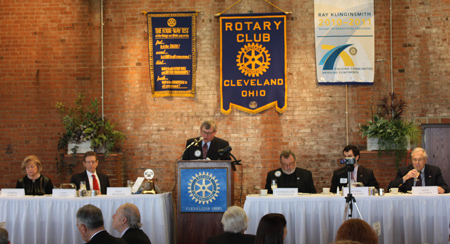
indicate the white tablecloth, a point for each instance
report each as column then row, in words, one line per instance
column 316, row 218
column 46, row 219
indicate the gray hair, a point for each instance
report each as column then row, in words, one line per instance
column 3, row 236
column 286, row 154
column 90, row 216
column 208, row 124
column 234, row 220
column 419, row 149
column 131, row 212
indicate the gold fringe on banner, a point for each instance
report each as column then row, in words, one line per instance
column 273, row 5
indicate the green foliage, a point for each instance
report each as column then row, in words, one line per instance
column 83, row 122
column 394, row 134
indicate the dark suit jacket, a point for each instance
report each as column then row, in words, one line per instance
column 104, row 237
column 231, row 238
column 42, row 185
column 104, row 181
column 213, row 154
column 364, row 175
column 433, row 177
column 305, row 181
column 135, row 236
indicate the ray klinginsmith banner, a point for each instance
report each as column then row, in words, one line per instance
column 253, row 62
column 172, row 53
column 344, row 41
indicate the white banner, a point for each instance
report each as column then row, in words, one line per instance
column 344, row 32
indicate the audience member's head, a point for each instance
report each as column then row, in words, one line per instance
column 3, row 236
column 234, row 220
column 89, row 221
column 271, row 229
column 357, row 230
column 127, row 216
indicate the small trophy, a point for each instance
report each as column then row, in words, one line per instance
column 149, row 185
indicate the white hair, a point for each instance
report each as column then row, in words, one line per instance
column 234, row 220
column 419, row 149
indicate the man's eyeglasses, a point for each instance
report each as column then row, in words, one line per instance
column 90, row 162
column 208, row 133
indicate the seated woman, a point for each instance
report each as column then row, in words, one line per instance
column 34, row 183
column 271, row 229
column 235, row 222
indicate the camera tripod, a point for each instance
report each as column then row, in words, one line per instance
column 349, row 199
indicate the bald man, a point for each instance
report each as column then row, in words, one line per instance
column 127, row 221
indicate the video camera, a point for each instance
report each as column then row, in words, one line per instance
column 350, row 161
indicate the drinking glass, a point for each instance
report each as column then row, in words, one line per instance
column 274, row 184
column 82, row 185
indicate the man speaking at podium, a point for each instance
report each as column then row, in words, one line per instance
column 206, row 146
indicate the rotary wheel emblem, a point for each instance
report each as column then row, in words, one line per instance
column 253, row 59
column 203, row 188
column 171, row 22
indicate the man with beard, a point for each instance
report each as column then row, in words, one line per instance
column 290, row 176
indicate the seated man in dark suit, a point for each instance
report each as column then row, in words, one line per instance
column 127, row 221
column 419, row 173
column 94, row 180
column 207, row 146
column 90, row 226
column 235, row 222
column 290, row 176
column 359, row 173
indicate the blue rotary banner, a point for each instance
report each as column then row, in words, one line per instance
column 203, row 190
column 172, row 53
column 253, row 62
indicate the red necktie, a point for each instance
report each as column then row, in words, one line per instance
column 95, row 183
column 205, row 150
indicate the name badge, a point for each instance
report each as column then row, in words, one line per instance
column 425, row 190
column 13, row 192
column 343, row 180
column 64, row 193
column 118, row 191
column 357, row 191
column 285, row 192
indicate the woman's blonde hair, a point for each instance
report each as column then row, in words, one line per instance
column 32, row 159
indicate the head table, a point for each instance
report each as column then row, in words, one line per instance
column 47, row 219
column 315, row 218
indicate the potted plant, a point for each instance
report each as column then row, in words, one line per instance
column 388, row 129
column 82, row 123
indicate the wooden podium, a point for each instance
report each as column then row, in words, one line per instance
column 205, row 189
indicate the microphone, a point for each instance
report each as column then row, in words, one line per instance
column 195, row 142
column 225, row 150
column 199, row 140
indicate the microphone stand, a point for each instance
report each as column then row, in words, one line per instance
column 350, row 199
column 235, row 162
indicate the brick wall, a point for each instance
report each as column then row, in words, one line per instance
column 50, row 51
